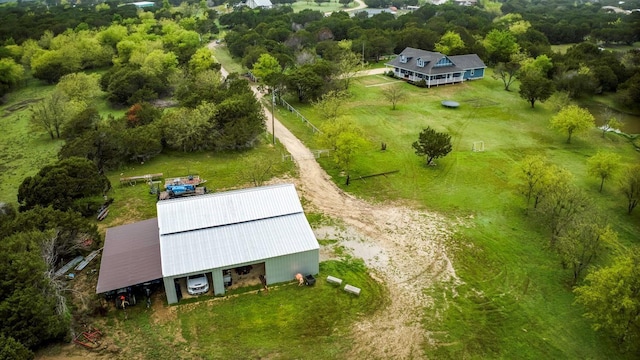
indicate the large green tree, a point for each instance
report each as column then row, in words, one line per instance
column 27, row 307
column 535, row 88
column 432, row 144
column 582, row 244
column 500, row 45
column 450, row 43
column 573, row 119
column 611, row 297
column 64, row 185
column 11, row 74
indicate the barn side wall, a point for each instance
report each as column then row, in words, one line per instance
column 284, row 268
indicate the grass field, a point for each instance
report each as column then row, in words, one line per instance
column 221, row 170
column 288, row 322
column 325, row 7
column 516, row 302
column 23, row 150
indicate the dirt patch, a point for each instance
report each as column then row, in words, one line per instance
column 19, row 106
column 404, row 247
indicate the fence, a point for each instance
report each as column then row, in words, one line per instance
column 299, row 115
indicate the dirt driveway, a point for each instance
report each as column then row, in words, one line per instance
column 404, row 247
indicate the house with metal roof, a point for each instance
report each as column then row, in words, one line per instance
column 263, row 228
column 434, row 68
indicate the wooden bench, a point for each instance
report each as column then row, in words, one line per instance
column 352, row 289
column 334, row 280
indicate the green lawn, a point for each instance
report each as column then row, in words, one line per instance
column 288, row 322
column 221, row 170
column 23, row 150
column 516, row 302
column 324, row 7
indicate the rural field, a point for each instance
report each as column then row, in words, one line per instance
column 514, row 300
column 452, row 265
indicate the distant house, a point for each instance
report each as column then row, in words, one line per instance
column 435, row 68
column 262, row 4
column 143, row 4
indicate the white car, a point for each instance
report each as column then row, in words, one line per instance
column 197, row 284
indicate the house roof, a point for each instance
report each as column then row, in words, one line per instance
column 461, row 62
column 131, row 256
column 262, row 3
column 236, row 227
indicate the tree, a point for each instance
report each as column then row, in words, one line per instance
column 267, row 68
column 393, row 94
column 573, row 119
column 611, row 123
column 432, row 144
column 535, row 88
column 540, row 66
column 450, row 43
column 239, row 119
column 190, row 130
column 506, row 72
column 630, row 187
column 562, row 205
column 345, row 3
column 347, row 66
column 50, row 114
column 344, row 139
column 202, row 60
column 500, row 45
column 348, row 144
column 27, row 309
column 80, row 87
column 534, row 170
column 603, row 165
column 63, row 184
column 581, row 245
column 330, row 104
column 12, row 349
column 11, row 74
column 611, row 297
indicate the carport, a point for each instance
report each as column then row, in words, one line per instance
column 131, row 256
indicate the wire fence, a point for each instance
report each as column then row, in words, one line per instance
column 288, row 106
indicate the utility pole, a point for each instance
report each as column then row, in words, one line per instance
column 273, row 106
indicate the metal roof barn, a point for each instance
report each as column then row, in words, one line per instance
column 217, row 232
column 131, row 256
column 241, row 226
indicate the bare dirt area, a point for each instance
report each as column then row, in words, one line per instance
column 404, row 247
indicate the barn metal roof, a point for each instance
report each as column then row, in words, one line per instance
column 232, row 207
column 222, row 230
column 131, row 256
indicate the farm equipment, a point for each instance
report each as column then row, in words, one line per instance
column 125, row 297
column 182, row 186
column 180, row 190
column 89, row 339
